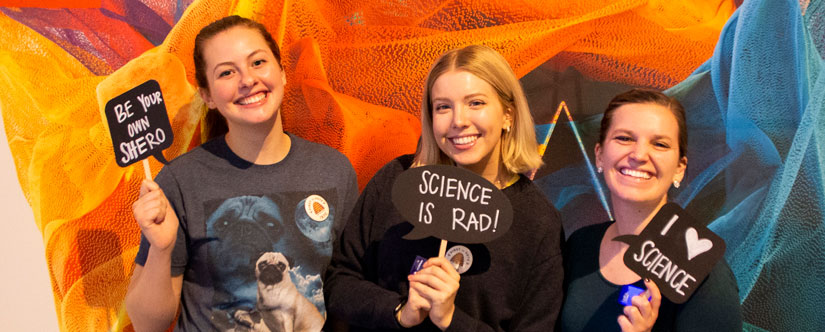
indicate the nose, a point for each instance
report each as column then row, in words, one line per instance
column 460, row 117
column 639, row 153
column 247, row 79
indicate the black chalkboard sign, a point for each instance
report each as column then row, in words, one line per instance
column 138, row 124
column 674, row 251
column 451, row 203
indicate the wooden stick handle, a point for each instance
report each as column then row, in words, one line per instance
column 443, row 249
column 146, row 170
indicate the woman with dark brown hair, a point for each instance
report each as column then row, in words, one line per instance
column 642, row 154
column 237, row 232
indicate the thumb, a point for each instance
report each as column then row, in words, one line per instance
column 147, row 186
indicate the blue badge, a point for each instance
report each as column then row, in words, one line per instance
column 627, row 294
column 417, row 264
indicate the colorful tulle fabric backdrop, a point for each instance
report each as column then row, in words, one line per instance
column 750, row 73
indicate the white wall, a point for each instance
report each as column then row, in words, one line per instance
column 26, row 300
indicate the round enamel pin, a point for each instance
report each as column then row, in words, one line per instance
column 461, row 258
column 316, row 207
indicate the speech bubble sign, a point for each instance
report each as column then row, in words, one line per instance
column 674, row 251
column 138, row 124
column 451, row 203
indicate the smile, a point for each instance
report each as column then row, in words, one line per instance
column 635, row 173
column 252, row 99
column 464, row 140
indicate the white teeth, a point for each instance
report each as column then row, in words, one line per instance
column 252, row 99
column 465, row 140
column 635, row 174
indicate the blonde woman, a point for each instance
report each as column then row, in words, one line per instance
column 474, row 115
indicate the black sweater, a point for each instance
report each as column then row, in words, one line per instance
column 592, row 302
column 514, row 283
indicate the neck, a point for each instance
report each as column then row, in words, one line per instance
column 492, row 169
column 262, row 145
column 632, row 218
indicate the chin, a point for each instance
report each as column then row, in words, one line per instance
column 465, row 160
column 635, row 197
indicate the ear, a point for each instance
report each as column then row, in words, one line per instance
column 283, row 76
column 206, row 98
column 680, row 170
column 597, row 152
column 289, row 261
column 508, row 118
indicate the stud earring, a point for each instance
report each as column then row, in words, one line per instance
column 676, row 184
column 599, row 170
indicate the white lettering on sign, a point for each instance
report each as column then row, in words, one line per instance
column 476, row 222
column 137, row 126
column 152, row 99
column 425, row 214
column 137, row 147
column 122, row 111
column 441, row 186
column 660, row 265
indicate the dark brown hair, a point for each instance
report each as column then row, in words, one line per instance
column 213, row 123
column 647, row 96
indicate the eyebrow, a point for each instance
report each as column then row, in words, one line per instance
column 628, row 132
column 230, row 63
column 470, row 96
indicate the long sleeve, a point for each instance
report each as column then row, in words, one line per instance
column 541, row 292
column 714, row 305
column 350, row 293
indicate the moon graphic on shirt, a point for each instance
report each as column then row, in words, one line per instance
column 314, row 218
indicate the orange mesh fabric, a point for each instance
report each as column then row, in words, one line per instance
column 354, row 76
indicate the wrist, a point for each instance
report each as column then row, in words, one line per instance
column 397, row 313
column 446, row 320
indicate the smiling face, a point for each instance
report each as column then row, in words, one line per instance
column 640, row 154
column 468, row 119
column 246, row 83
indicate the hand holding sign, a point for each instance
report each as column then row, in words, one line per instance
column 156, row 218
column 642, row 310
column 139, row 125
column 674, row 251
column 438, row 284
column 451, row 204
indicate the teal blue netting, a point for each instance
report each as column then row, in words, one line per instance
column 762, row 94
column 756, row 122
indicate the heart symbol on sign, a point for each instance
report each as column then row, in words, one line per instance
column 695, row 245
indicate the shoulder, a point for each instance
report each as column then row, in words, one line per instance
column 535, row 214
column 584, row 243
column 595, row 231
column 715, row 304
column 387, row 174
column 183, row 163
column 318, row 152
column 720, row 280
column 530, row 203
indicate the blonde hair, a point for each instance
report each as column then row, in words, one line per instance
column 519, row 150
